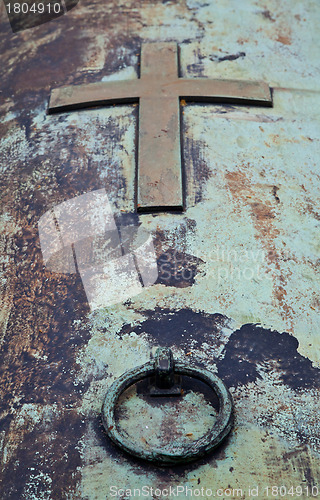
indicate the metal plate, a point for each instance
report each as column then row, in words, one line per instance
column 244, row 252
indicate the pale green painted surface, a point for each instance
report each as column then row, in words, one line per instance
column 259, row 246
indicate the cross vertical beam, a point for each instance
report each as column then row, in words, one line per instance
column 159, row 178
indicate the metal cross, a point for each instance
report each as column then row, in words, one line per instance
column 158, row 91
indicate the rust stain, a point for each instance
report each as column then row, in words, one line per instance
column 275, row 190
column 310, row 208
column 35, row 377
column 263, row 214
column 284, row 39
column 279, row 30
column 278, row 139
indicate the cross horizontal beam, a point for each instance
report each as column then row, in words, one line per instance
column 126, row 91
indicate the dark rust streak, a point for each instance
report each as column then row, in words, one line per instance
column 177, row 268
column 253, row 346
column 197, row 171
column 267, row 15
column 275, row 190
column 230, row 57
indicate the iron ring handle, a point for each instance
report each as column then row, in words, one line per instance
column 184, row 453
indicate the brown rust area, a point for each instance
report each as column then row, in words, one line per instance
column 284, row 39
column 48, row 461
column 33, row 63
column 311, row 209
column 45, row 329
column 263, row 215
column 36, row 378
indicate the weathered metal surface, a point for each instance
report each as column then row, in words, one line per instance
column 159, row 89
column 246, row 248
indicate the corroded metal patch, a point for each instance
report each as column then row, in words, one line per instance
column 249, row 236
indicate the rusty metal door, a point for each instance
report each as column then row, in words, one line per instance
column 237, row 284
